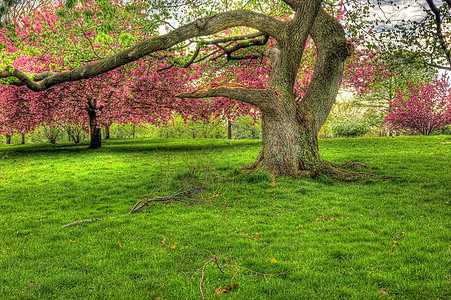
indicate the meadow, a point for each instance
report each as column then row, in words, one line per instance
column 250, row 236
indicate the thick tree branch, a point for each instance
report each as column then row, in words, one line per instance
column 232, row 39
column 296, row 31
column 293, row 4
column 333, row 49
column 257, row 97
column 200, row 27
column 245, row 44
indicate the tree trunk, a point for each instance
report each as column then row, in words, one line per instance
column 8, row 139
column 229, row 129
column 107, row 132
column 290, row 144
column 23, row 139
column 289, row 127
column 290, row 148
column 96, row 136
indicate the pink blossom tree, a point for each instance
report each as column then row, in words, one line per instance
column 422, row 108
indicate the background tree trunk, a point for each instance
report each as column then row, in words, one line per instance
column 107, row 132
column 8, row 139
column 229, row 129
column 96, row 136
column 23, row 139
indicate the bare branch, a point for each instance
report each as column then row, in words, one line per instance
column 215, row 260
column 438, row 66
column 140, row 204
column 176, row 197
column 80, row 222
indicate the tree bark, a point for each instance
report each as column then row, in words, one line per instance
column 23, row 139
column 229, row 129
column 107, row 132
column 94, row 130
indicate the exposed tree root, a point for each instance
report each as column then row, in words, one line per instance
column 352, row 165
column 333, row 170
column 256, row 165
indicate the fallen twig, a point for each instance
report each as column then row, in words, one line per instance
column 179, row 196
column 80, row 222
column 176, row 197
column 214, row 260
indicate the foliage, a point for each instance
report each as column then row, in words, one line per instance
column 190, row 129
column 51, row 133
column 346, row 240
column 56, row 38
column 417, row 31
column 246, row 128
column 350, row 117
column 349, row 126
column 424, row 108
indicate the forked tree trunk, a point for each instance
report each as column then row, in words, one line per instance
column 94, row 130
column 290, row 129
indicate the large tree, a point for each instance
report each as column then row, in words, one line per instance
column 289, row 125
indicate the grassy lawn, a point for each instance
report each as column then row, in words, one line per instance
column 324, row 239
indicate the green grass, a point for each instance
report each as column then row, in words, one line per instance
column 344, row 240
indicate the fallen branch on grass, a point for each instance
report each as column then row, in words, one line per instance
column 80, row 222
column 182, row 196
column 214, row 260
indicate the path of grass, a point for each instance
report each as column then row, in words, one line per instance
column 373, row 239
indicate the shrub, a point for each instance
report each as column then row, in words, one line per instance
column 349, row 126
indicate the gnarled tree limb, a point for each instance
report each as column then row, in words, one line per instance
column 254, row 96
column 200, row 27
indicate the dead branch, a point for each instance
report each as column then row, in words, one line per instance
column 80, row 222
column 178, row 197
column 175, row 197
column 215, row 260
